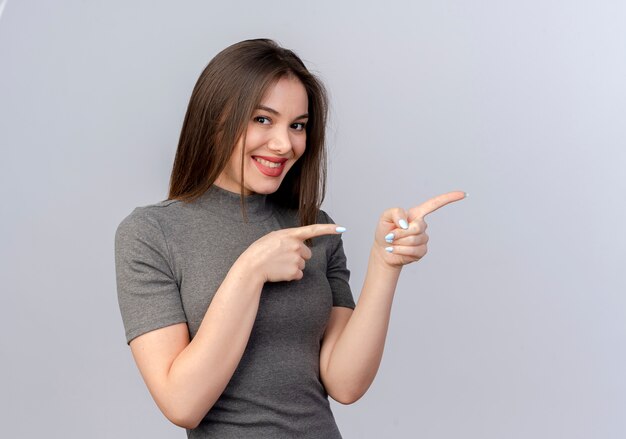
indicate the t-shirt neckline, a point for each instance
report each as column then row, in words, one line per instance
column 226, row 203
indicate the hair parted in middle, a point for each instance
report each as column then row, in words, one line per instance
column 221, row 105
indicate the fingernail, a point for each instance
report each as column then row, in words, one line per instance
column 389, row 249
column 340, row 229
column 403, row 224
column 389, row 237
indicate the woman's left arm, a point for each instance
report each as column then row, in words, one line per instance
column 353, row 343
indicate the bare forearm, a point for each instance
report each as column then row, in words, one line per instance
column 203, row 369
column 358, row 352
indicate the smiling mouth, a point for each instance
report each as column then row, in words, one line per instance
column 270, row 169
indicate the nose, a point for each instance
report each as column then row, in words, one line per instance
column 279, row 142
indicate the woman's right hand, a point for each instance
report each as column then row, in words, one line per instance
column 281, row 255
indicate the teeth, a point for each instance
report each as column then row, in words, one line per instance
column 268, row 164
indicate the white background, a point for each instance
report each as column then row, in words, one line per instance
column 512, row 326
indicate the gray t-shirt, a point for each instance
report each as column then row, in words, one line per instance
column 170, row 259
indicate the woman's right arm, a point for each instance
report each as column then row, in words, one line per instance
column 186, row 378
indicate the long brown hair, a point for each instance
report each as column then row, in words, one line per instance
column 221, row 104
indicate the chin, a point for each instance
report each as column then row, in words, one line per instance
column 264, row 188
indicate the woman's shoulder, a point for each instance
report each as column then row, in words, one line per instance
column 323, row 217
column 148, row 216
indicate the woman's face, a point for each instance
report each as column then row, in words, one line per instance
column 276, row 138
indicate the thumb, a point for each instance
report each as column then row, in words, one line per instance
column 398, row 216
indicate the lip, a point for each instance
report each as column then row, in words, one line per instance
column 270, row 172
column 271, row 159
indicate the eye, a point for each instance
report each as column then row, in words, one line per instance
column 262, row 119
column 299, row 126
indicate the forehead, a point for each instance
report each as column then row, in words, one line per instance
column 287, row 94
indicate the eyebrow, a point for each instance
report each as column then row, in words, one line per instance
column 271, row 110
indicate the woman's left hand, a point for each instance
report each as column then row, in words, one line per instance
column 404, row 232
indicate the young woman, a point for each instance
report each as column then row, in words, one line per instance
column 234, row 291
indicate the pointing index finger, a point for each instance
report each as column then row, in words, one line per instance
column 313, row 230
column 435, row 203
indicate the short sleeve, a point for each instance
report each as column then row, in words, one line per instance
column 337, row 271
column 147, row 291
